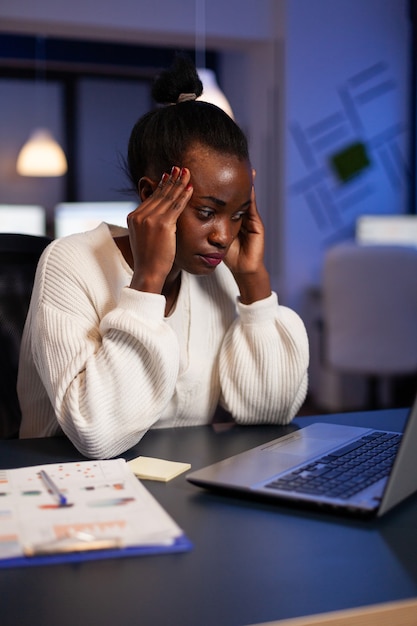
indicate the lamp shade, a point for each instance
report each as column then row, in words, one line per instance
column 41, row 156
column 212, row 92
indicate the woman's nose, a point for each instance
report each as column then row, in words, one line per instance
column 221, row 235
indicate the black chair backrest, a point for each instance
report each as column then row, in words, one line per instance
column 19, row 256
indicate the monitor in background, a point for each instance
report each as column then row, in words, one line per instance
column 387, row 229
column 27, row 219
column 77, row 217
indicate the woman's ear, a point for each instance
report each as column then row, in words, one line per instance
column 146, row 187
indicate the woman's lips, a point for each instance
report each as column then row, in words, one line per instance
column 212, row 259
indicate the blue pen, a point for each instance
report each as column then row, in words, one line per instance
column 52, row 487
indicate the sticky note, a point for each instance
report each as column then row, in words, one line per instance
column 148, row 468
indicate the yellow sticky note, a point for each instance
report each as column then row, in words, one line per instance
column 148, row 468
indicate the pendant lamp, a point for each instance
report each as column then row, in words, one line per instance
column 211, row 90
column 41, row 155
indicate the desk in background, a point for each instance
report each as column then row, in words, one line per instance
column 252, row 562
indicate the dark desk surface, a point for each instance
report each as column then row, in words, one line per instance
column 252, row 562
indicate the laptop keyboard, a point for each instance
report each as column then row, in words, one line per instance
column 345, row 471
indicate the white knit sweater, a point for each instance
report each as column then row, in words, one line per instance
column 100, row 361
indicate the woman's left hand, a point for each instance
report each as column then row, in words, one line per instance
column 245, row 257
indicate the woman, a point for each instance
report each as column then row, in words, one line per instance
column 158, row 324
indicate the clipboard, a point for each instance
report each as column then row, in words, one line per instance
column 81, row 511
column 181, row 544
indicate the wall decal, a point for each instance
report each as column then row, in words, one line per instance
column 348, row 153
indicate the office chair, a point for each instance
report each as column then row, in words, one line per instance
column 19, row 255
column 370, row 312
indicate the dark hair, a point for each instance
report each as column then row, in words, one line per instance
column 161, row 137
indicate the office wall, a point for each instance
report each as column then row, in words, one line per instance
column 107, row 112
column 166, row 22
column 347, row 81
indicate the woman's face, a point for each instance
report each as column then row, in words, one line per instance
column 212, row 219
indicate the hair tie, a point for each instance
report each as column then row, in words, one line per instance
column 183, row 97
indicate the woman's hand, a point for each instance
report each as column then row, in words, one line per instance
column 152, row 230
column 245, row 257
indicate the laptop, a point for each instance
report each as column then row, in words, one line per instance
column 344, row 469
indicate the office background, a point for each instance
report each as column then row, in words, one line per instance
column 307, row 80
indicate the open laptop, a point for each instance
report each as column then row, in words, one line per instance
column 315, row 467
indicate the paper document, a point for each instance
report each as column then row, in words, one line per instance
column 85, row 505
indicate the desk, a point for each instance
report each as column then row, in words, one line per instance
column 252, row 562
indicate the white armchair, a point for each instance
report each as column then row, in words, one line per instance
column 370, row 311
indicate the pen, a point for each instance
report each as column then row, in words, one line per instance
column 52, row 487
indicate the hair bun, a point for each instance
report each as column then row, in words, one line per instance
column 177, row 84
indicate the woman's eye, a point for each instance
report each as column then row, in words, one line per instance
column 205, row 213
column 238, row 216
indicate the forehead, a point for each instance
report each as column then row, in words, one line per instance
column 209, row 167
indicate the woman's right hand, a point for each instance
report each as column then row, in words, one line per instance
column 152, row 230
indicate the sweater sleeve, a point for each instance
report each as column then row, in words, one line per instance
column 263, row 363
column 108, row 377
